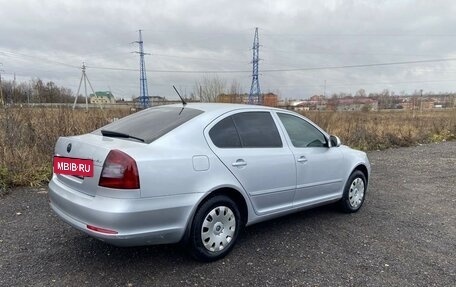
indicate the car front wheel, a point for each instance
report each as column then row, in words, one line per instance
column 354, row 193
column 215, row 228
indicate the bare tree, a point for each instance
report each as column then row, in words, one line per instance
column 208, row 89
column 236, row 91
column 361, row 93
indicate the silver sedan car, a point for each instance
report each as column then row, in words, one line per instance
column 199, row 174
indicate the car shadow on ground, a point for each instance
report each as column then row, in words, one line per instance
column 263, row 234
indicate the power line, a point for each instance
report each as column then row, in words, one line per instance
column 9, row 53
column 283, row 70
column 12, row 54
column 284, row 35
column 294, row 52
column 196, row 58
column 361, row 65
column 364, row 84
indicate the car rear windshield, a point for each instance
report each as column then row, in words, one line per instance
column 152, row 123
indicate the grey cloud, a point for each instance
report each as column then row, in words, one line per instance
column 217, row 35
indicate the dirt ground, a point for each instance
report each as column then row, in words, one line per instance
column 405, row 235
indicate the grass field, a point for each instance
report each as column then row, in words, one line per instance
column 388, row 128
column 28, row 135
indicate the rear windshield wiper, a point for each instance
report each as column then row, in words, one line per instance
column 119, row 135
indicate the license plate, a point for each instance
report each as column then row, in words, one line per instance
column 73, row 166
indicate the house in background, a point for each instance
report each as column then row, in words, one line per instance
column 354, row 104
column 268, row 99
column 102, row 98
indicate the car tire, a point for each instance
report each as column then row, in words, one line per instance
column 354, row 192
column 215, row 228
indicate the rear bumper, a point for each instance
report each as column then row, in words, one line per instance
column 138, row 221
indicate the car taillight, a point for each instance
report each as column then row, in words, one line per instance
column 119, row 171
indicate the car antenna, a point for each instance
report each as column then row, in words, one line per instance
column 182, row 99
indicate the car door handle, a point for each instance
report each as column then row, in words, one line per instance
column 302, row 159
column 239, row 163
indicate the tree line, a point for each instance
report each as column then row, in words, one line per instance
column 206, row 89
column 34, row 91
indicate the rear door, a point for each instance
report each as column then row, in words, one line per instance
column 252, row 148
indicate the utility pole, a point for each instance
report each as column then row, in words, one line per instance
column 421, row 101
column 2, row 102
column 86, row 80
column 413, row 108
column 14, row 88
column 37, row 91
column 255, row 93
column 143, row 90
column 324, row 90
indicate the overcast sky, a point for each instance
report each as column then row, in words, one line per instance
column 51, row 39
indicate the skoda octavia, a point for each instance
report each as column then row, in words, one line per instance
column 199, row 174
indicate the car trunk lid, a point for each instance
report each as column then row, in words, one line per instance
column 92, row 147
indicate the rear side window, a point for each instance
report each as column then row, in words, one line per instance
column 224, row 134
column 248, row 130
column 152, row 123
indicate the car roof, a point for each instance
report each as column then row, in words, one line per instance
column 222, row 107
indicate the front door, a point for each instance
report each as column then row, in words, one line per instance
column 319, row 167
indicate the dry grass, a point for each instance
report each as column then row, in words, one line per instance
column 385, row 129
column 28, row 135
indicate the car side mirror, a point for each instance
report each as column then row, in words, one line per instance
column 335, row 141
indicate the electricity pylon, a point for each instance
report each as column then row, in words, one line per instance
column 255, row 93
column 143, row 90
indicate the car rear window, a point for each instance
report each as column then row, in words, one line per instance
column 152, row 123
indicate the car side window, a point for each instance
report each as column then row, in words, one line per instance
column 224, row 134
column 257, row 130
column 301, row 132
column 247, row 130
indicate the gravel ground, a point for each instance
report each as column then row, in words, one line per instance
column 405, row 235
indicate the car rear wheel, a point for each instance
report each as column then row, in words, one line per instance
column 215, row 228
column 354, row 193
